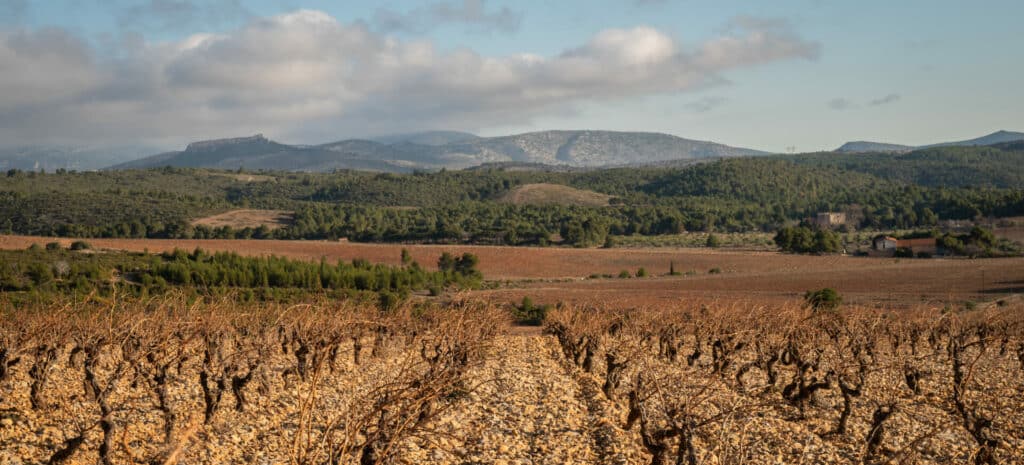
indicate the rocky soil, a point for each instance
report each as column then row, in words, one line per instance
column 524, row 404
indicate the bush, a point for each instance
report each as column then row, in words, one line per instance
column 389, row 300
column 804, row 239
column 641, row 273
column 529, row 314
column 924, row 255
column 624, row 274
column 80, row 245
column 903, row 252
column 713, row 241
column 53, row 246
column 823, row 299
column 715, row 271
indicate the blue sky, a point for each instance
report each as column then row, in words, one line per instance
column 806, row 74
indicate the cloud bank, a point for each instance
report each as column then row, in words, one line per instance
column 471, row 13
column 304, row 76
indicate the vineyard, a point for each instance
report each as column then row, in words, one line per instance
column 179, row 380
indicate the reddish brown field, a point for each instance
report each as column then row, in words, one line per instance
column 552, row 275
column 239, row 219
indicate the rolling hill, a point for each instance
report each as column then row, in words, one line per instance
column 991, row 139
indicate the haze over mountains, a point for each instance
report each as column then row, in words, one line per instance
column 866, row 146
column 444, row 149
column 52, row 158
column 427, row 151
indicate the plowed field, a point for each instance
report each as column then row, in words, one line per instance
column 551, row 275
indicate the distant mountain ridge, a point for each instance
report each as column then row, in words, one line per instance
column 54, row 157
column 991, row 139
column 443, row 149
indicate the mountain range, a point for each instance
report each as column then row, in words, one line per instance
column 54, row 157
column 991, row 139
column 428, row 151
column 443, row 149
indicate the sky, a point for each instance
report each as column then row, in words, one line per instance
column 780, row 75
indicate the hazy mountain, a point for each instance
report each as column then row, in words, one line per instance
column 51, row 158
column 437, row 150
column 434, row 138
column 258, row 152
column 865, row 146
column 994, row 138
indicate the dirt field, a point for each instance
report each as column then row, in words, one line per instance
column 238, row 219
column 554, row 194
column 552, row 275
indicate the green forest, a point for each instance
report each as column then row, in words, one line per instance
column 882, row 191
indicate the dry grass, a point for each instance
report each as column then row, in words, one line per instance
column 555, row 194
column 238, row 219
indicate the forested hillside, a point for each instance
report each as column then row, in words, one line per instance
column 916, row 189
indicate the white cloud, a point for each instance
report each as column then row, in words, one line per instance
column 306, row 77
column 472, row 13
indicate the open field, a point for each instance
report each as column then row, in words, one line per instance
column 555, row 194
column 239, row 219
column 554, row 275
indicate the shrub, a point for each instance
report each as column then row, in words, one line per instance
column 904, row 252
column 80, row 245
column 715, row 271
column 713, row 241
column 530, row 314
column 624, row 274
column 389, row 300
column 641, row 273
column 53, row 246
column 823, row 299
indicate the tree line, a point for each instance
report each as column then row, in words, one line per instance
column 56, row 270
column 883, row 191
